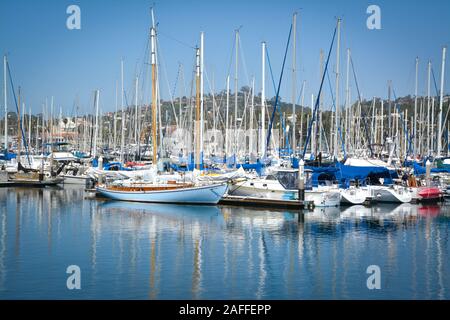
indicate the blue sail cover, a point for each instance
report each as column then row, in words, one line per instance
column 418, row 169
column 7, row 156
column 347, row 173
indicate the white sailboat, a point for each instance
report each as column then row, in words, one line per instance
column 170, row 191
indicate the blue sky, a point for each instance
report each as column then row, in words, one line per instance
column 48, row 59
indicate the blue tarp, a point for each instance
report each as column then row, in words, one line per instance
column 7, row 156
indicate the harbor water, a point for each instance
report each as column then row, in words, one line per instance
column 145, row 251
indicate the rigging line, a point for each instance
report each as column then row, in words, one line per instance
column 316, row 106
column 163, row 65
column 434, row 81
column 274, row 89
column 242, row 54
column 366, row 129
column 270, row 69
column 278, row 91
column 176, row 40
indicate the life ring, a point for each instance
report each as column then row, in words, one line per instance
column 47, row 175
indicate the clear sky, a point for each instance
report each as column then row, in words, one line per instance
column 47, row 59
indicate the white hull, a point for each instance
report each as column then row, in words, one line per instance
column 353, row 196
column 391, row 194
column 323, row 198
column 210, row 194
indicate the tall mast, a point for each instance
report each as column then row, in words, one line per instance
column 6, row 102
column 441, row 101
column 201, row 94
column 227, row 123
column 197, row 110
column 428, row 106
column 97, row 95
column 337, row 89
column 263, row 100
column 122, row 143
column 115, row 121
column 19, row 131
column 319, row 112
column 51, row 131
column 252, row 107
column 154, row 100
column 236, row 96
column 302, row 102
column 414, row 124
column 294, row 84
column 29, row 130
column 391, row 132
column 347, row 99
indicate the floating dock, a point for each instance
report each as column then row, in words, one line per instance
column 265, row 203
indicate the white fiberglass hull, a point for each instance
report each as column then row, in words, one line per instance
column 210, row 194
column 353, row 196
column 389, row 194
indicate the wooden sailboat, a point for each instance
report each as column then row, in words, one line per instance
column 169, row 191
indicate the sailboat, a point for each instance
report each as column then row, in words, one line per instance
column 170, row 191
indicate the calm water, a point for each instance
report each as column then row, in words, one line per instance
column 142, row 251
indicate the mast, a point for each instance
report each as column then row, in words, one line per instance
column 414, row 124
column 29, row 130
column 428, row 106
column 441, row 101
column 227, row 123
column 51, row 135
column 319, row 111
column 122, row 143
column 97, row 96
column 433, row 129
column 382, row 124
column 154, row 100
column 115, row 121
column 347, row 99
column 201, row 95
column 301, row 113
column 19, row 131
column 337, row 89
column 294, row 84
column 236, row 97
column 5, row 93
column 263, row 100
column 252, row 107
column 391, row 132
column 197, row 109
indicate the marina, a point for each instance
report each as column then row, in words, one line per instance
column 186, row 167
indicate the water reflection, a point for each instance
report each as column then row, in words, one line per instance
column 136, row 250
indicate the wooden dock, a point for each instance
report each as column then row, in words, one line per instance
column 265, row 203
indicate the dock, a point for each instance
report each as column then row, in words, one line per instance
column 265, row 203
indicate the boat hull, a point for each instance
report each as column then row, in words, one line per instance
column 391, row 195
column 353, row 196
column 210, row 194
